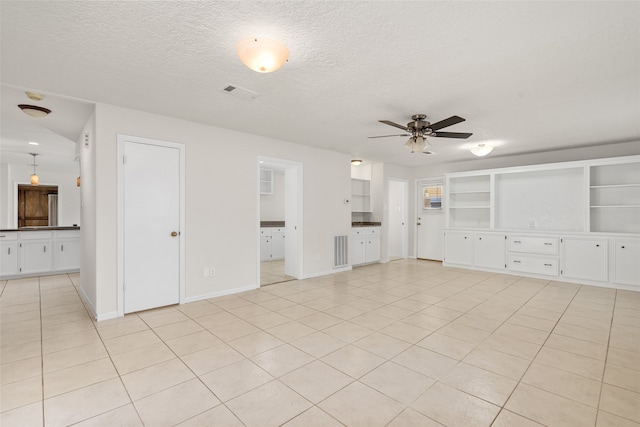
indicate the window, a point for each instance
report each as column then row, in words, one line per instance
column 432, row 197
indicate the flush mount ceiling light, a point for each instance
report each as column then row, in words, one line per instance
column 34, row 110
column 356, row 162
column 35, row 96
column 35, row 180
column 33, row 143
column 262, row 55
column 481, row 150
column 415, row 144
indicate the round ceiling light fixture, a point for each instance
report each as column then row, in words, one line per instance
column 481, row 150
column 262, row 55
column 34, row 96
column 356, row 162
column 34, row 110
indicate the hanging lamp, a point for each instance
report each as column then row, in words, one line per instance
column 35, row 179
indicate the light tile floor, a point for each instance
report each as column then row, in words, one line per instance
column 273, row 272
column 409, row 343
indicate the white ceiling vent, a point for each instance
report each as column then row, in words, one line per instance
column 240, row 92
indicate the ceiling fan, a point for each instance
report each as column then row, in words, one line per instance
column 419, row 128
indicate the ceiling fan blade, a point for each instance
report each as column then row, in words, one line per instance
column 386, row 136
column 387, row 122
column 446, row 122
column 460, row 135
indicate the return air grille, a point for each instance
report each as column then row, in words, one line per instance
column 240, row 92
column 340, row 251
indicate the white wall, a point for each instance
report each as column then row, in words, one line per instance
column 68, row 193
column 272, row 205
column 88, row 272
column 221, row 229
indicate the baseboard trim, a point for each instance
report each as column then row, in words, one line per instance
column 219, row 293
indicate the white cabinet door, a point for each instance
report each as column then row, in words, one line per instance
column 358, row 250
column 489, row 251
column 8, row 258
column 277, row 245
column 372, row 252
column 36, row 256
column 458, row 248
column 265, row 248
column 68, row 254
column 626, row 268
column 585, row 258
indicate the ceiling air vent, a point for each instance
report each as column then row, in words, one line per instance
column 240, row 92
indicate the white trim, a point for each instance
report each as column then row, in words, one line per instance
column 87, row 302
column 121, row 140
column 221, row 293
column 107, row 316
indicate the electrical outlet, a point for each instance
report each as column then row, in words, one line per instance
column 212, row 272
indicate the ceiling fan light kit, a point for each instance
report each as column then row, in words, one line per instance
column 419, row 128
column 262, row 55
column 34, row 110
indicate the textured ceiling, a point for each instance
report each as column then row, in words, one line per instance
column 535, row 76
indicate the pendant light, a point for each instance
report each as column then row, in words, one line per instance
column 35, row 180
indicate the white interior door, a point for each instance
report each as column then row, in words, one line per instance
column 397, row 214
column 430, row 220
column 151, row 221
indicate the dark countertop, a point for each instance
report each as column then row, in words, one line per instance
column 366, row 224
column 271, row 223
column 39, row 229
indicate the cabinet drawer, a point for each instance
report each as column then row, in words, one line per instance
column 534, row 265
column 67, row 234
column 8, row 236
column 534, row 245
column 35, row 235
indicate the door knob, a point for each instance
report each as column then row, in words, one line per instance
column 174, row 233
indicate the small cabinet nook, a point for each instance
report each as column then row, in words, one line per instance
column 573, row 221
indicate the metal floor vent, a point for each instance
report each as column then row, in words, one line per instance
column 340, row 251
column 240, row 92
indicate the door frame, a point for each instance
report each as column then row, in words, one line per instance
column 405, row 216
column 289, row 167
column 121, row 141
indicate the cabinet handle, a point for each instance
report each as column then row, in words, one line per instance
column 517, row 241
column 479, row 238
column 3, row 235
column 515, row 261
column 45, row 248
column 622, row 247
column 465, row 237
column 8, row 251
column 597, row 246
column 548, row 244
column 549, row 265
column 61, row 248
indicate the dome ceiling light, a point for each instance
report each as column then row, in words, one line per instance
column 262, row 55
column 34, row 110
column 481, row 150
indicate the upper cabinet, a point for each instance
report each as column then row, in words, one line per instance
column 360, row 195
column 614, row 192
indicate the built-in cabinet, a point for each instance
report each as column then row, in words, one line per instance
column 365, row 245
column 28, row 253
column 266, row 181
column 579, row 221
column 272, row 243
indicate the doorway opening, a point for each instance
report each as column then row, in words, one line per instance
column 397, row 214
column 37, row 205
column 279, row 221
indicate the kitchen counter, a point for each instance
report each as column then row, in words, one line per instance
column 40, row 229
column 366, row 224
column 271, row 223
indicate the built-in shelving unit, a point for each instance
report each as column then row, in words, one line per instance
column 614, row 198
column 266, row 181
column 360, row 195
column 469, row 202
